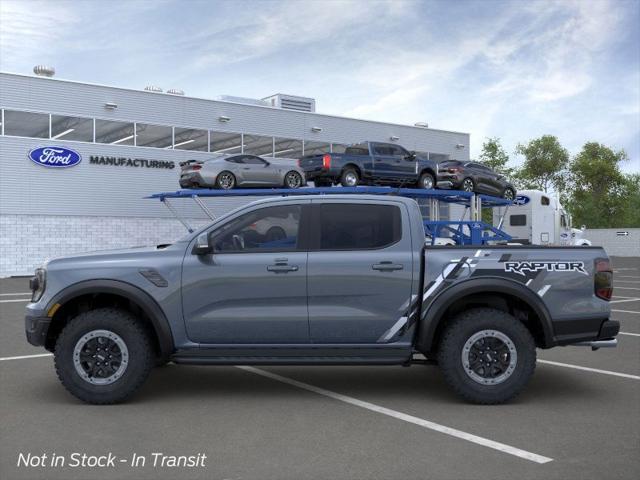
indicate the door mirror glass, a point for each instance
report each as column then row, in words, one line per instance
column 202, row 246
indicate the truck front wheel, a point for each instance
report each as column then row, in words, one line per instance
column 487, row 356
column 103, row 356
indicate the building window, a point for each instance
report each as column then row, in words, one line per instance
column 191, row 139
column 115, row 133
column 71, row 128
column 258, row 145
column 228, row 143
column 26, row 124
column 287, row 148
column 156, row 136
column 316, row 148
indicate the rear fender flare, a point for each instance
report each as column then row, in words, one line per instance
column 436, row 309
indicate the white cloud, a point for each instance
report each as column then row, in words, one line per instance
column 32, row 28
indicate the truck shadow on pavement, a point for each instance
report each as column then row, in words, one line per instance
column 366, row 383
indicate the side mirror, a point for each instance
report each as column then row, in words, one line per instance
column 202, row 246
column 411, row 156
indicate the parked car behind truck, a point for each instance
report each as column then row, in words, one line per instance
column 369, row 163
column 350, row 281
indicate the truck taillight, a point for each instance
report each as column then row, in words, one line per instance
column 299, row 162
column 196, row 167
column 326, row 161
column 603, row 279
column 454, row 170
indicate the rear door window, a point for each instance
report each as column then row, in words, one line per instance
column 358, row 227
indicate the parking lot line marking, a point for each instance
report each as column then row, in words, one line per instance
column 611, row 301
column 485, row 442
column 627, row 276
column 627, row 288
column 22, row 357
column 627, row 281
column 587, row 369
column 624, row 311
column 27, row 300
column 630, row 334
column 14, row 294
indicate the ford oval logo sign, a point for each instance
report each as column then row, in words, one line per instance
column 521, row 200
column 55, row 157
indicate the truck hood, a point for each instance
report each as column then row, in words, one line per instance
column 114, row 255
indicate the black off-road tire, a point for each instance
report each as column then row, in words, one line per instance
column 141, row 358
column 346, row 175
column 461, row 329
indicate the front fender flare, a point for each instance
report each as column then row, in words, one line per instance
column 135, row 294
column 435, row 310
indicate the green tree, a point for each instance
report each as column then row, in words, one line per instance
column 599, row 194
column 544, row 165
column 494, row 156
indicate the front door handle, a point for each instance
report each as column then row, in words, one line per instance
column 387, row 266
column 282, row 268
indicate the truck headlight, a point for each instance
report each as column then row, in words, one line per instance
column 38, row 284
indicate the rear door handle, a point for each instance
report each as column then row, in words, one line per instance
column 387, row 266
column 282, row 268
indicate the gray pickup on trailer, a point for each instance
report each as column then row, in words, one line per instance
column 318, row 280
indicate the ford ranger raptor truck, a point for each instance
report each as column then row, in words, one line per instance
column 350, row 281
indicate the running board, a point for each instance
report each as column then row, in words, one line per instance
column 288, row 360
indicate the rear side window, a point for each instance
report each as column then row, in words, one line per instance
column 518, row 220
column 346, row 226
column 358, row 149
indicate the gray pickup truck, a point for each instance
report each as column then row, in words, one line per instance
column 321, row 280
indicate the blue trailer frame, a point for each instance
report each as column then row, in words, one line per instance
column 462, row 232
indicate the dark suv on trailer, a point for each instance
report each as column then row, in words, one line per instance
column 474, row 177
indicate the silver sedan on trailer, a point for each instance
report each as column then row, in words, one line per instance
column 231, row 171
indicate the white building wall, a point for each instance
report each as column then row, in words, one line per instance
column 614, row 240
column 26, row 241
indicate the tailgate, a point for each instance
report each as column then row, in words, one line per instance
column 311, row 163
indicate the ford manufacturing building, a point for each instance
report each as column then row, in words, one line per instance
column 129, row 145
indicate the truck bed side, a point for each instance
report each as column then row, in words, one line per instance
column 552, row 289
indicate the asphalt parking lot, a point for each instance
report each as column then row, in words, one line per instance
column 579, row 417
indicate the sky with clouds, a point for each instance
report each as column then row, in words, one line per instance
column 512, row 69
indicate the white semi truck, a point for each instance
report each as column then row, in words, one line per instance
column 537, row 218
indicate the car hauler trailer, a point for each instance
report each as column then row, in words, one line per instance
column 438, row 232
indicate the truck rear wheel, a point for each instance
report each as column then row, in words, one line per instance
column 487, row 356
column 349, row 178
column 103, row 356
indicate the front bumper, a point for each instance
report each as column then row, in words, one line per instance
column 36, row 328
